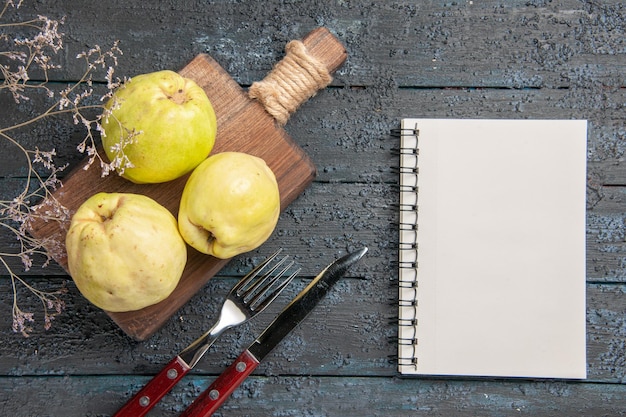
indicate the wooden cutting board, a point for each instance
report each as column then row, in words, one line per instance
column 243, row 125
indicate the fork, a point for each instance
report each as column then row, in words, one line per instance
column 246, row 299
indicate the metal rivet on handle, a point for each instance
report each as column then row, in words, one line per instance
column 241, row 366
column 214, row 394
column 172, row 374
column 144, row 401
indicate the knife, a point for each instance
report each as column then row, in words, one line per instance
column 246, row 299
column 213, row 397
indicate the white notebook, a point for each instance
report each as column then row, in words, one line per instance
column 492, row 248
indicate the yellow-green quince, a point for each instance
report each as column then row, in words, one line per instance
column 124, row 251
column 230, row 205
column 162, row 123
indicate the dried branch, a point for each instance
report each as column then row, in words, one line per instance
column 39, row 41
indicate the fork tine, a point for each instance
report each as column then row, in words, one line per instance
column 262, row 304
column 268, row 280
column 252, row 274
column 246, row 294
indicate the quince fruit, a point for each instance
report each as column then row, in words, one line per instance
column 124, row 251
column 230, row 205
column 162, row 124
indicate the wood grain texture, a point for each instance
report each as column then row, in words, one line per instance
column 243, row 126
column 329, row 397
column 84, row 341
column 486, row 59
column 488, row 44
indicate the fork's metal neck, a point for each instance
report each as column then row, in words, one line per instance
column 229, row 317
column 194, row 352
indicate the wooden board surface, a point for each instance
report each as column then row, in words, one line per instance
column 244, row 126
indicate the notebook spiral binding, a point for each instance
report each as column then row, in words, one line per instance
column 407, row 262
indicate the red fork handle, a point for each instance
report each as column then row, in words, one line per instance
column 213, row 397
column 161, row 384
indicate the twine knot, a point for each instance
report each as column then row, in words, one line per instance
column 292, row 81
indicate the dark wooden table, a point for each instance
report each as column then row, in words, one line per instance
column 466, row 59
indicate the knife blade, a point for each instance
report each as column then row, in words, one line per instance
column 288, row 319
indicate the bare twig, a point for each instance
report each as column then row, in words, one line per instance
column 34, row 50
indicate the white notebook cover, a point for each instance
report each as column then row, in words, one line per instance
column 500, row 259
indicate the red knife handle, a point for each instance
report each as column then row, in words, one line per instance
column 161, row 384
column 211, row 399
